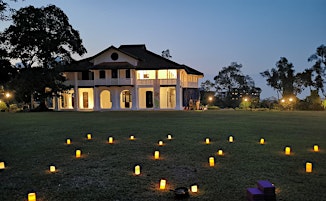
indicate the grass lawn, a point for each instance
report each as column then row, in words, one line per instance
column 31, row 142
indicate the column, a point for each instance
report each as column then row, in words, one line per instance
column 156, row 89
column 76, row 93
column 178, row 91
column 96, row 99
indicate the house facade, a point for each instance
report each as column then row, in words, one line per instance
column 128, row 78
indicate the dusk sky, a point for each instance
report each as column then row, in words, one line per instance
column 206, row 35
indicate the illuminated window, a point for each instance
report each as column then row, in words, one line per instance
column 146, row 74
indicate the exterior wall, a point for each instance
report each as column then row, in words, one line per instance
column 106, row 57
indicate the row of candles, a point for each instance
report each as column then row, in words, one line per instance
column 162, row 185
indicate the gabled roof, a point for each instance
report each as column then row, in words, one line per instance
column 147, row 60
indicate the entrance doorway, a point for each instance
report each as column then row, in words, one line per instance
column 149, row 99
column 126, row 98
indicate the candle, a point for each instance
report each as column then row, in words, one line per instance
column 132, row 137
column 207, row 141
column 89, row 136
column 137, row 170
column 52, row 168
column 220, row 152
column 211, row 161
column 2, row 165
column 68, row 141
column 287, row 150
column 31, row 196
column 78, row 153
column 316, row 148
column 110, row 140
column 194, row 188
column 162, row 184
column 262, row 141
column 231, row 139
column 308, row 167
column 156, row 155
column 169, row 137
column 160, row 143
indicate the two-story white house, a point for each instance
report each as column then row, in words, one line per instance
column 128, row 78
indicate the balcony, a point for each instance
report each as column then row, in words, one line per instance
column 103, row 82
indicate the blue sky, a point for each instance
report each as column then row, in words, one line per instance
column 206, row 35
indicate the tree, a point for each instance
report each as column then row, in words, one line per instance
column 7, row 71
column 319, row 68
column 283, row 78
column 230, row 78
column 38, row 37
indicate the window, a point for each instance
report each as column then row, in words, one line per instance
column 114, row 56
column 86, row 75
column 128, row 73
column 102, row 74
column 114, row 73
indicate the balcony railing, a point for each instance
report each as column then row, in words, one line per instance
column 129, row 81
column 168, row 81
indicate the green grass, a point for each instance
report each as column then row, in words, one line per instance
column 30, row 142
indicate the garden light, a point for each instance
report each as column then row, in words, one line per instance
column 162, row 184
column 78, row 153
column 194, row 188
column 31, row 196
column 262, row 141
column 2, row 165
column 137, row 170
column 231, row 139
column 220, row 152
column 207, row 140
column 308, row 167
column 169, row 137
column 287, row 150
column 156, row 155
column 52, row 168
column 211, row 161
column 110, row 140
column 68, row 141
column 160, row 143
column 316, row 148
column 132, row 137
column 89, row 136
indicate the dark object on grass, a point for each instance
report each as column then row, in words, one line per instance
column 181, row 193
column 268, row 189
column 254, row 194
